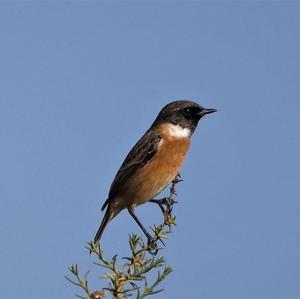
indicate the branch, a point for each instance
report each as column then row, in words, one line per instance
column 130, row 279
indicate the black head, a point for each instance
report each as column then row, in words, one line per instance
column 183, row 113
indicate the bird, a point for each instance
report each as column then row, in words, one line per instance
column 153, row 162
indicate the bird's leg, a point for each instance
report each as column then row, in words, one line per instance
column 151, row 240
column 160, row 203
column 132, row 214
column 168, row 201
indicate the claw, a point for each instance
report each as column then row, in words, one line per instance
column 152, row 244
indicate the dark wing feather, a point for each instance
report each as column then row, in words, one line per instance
column 143, row 151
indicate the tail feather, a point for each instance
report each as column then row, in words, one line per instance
column 105, row 204
column 107, row 217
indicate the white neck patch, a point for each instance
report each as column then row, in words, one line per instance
column 178, row 131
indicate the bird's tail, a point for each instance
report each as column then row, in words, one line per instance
column 107, row 217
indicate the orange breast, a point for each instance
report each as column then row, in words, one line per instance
column 160, row 171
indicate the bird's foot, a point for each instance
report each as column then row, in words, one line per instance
column 166, row 201
column 152, row 244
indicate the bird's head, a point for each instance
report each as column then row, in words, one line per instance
column 185, row 114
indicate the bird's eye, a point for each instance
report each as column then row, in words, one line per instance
column 187, row 111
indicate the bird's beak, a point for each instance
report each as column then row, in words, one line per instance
column 205, row 111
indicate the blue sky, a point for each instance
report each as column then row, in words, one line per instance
column 79, row 84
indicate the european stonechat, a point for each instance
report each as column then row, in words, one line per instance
column 154, row 162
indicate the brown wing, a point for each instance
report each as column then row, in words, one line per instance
column 143, row 151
